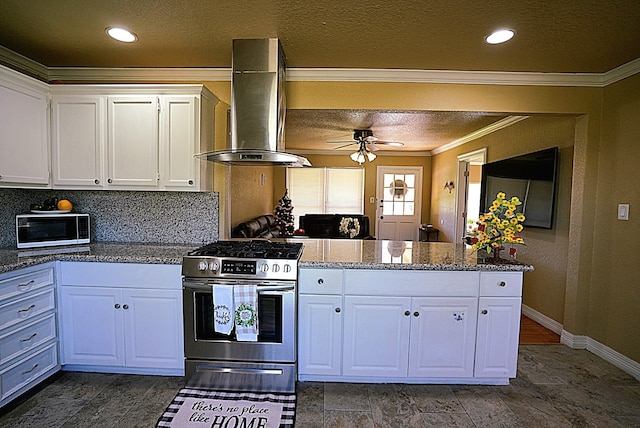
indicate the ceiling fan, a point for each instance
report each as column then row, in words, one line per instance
column 367, row 144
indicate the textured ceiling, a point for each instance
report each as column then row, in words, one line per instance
column 560, row 36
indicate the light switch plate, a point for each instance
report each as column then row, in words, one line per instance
column 623, row 211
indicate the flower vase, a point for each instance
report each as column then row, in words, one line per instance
column 494, row 255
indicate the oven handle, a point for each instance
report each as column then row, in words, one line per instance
column 207, row 286
column 219, row 369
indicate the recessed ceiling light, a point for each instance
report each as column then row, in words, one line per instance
column 499, row 36
column 121, row 34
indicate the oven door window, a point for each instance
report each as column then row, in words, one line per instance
column 269, row 318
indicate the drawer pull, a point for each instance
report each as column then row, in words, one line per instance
column 320, row 281
column 407, row 313
column 30, row 370
column 338, row 310
column 26, row 284
column 27, row 309
column 484, row 312
column 29, row 338
column 502, row 284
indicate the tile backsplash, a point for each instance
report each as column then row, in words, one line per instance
column 121, row 216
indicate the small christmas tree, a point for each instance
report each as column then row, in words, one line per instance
column 284, row 215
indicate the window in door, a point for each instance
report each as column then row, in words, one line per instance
column 325, row 191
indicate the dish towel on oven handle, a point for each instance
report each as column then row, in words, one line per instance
column 223, row 308
column 245, row 298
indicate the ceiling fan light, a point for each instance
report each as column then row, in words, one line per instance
column 371, row 156
column 499, row 36
column 357, row 157
column 121, row 34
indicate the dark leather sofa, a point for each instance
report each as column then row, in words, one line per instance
column 328, row 225
column 263, row 226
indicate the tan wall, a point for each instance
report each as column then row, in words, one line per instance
column 614, row 301
column 370, row 169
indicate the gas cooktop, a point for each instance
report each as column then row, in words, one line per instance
column 251, row 250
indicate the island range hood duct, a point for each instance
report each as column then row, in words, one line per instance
column 257, row 107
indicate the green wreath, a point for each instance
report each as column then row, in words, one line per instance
column 247, row 321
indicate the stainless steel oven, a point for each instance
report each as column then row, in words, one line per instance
column 220, row 361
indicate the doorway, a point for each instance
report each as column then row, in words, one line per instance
column 468, row 196
column 399, row 202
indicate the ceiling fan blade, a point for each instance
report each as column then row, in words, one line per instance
column 345, row 145
column 388, row 143
column 372, row 148
column 343, row 142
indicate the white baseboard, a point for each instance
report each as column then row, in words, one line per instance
column 542, row 319
column 585, row 342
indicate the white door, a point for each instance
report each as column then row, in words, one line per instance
column 77, row 141
column 376, row 336
column 399, row 198
column 319, row 334
column 24, row 152
column 132, row 141
column 498, row 335
column 153, row 328
column 443, row 336
column 92, row 326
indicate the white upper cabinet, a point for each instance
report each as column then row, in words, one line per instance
column 78, row 141
column 138, row 137
column 132, row 141
column 24, row 137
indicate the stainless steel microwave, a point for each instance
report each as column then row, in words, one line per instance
column 47, row 230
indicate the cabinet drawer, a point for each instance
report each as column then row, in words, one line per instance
column 22, row 284
column 501, row 284
column 411, row 283
column 18, row 341
column 19, row 375
column 320, row 281
column 29, row 307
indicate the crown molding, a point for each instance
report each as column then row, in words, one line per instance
column 496, row 126
column 348, row 152
column 32, row 68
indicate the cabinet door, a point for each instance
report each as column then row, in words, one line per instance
column 443, row 335
column 132, row 142
column 498, row 335
column 78, row 141
column 24, row 150
column 92, row 326
column 153, row 328
column 179, row 132
column 319, row 334
column 376, row 336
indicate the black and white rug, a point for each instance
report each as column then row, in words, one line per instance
column 198, row 408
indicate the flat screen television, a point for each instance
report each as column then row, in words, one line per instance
column 530, row 177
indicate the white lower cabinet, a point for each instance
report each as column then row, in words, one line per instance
column 121, row 329
column 319, row 334
column 413, row 326
column 28, row 331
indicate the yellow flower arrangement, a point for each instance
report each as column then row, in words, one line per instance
column 501, row 225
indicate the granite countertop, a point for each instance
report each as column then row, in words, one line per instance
column 397, row 255
column 318, row 253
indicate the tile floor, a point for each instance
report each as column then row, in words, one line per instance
column 556, row 387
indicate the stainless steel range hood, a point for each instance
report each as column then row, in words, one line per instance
column 257, row 107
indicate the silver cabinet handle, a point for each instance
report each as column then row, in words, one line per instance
column 416, row 314
column 30, row 370
column 117, row 306
column 407, row 313
column 502, row 284
column 190, row 182
column 26, row 309
column 484, row 312
column 29, row 338
column 338, row 310
column 320, row 281
column 109, row 180
column 26, row 284
column 125, row 307
column 96, row 181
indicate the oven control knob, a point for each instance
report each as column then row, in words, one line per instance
column 203, row 265
column 275, row 268
column 264, row 267
column 214, row 266
column 286, row 268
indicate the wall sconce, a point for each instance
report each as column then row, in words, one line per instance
column 449, row 185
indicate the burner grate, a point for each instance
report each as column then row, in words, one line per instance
column 251, row 250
